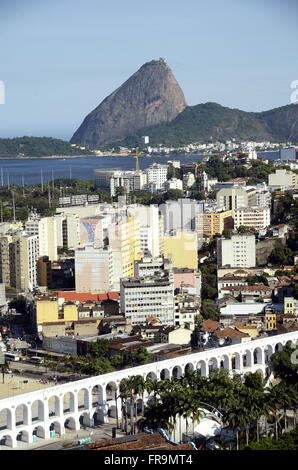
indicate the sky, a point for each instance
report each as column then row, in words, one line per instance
column 60, row 58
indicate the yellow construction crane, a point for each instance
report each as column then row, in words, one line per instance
column 137, row 154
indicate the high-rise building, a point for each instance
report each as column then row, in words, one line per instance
column 182, row 248
column 93, row 269
column 151, row 228
column 237, row 251
column 141, row 298
column 283, row 178
column 46, row 230
column 212, row 222
column 124, row 241
column 25, row 265
column 257, row 217
column 157, row 174
column 180, row 214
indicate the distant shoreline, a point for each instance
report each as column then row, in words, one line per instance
column 68, row 157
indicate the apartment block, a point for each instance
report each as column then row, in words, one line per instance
column 237, row 251
column 93, row 269
column 182, row 248
column 283, row 178
column 257, row 217
column 207, row 224
column 141, row 298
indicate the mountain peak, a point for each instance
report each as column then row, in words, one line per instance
column 150, row 96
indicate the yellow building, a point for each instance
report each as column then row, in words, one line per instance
column 270, row 320
column 289, row 305
column 250, row 330
column 47, row 310
column 210, row 223
column 182, row 248
column 125, row 243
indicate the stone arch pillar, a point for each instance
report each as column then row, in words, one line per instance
column 46, row 418
column 12, row 420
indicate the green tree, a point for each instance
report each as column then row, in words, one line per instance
column 209, row 310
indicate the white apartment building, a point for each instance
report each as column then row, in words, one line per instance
column 141, row 298
column 46, row 230
column 149, row 266
column 237, row 251
column 109, row 180
column 25, row 261
column 283, row 179
column 180, row 214
column 157, row 174
column 257, row 217
column 93, row 269
column 173, row 183
column 151, row 228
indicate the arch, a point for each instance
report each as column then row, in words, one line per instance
column 268, row 351
column 70, row 424
column 152, row 376
column 111, row 390
column 202, row 368
column 165, row 374
column 258, row 356
column 68, row 402
column 39, row 431
column 278, row 347
column 224, row 362
column 84, row 420
column 236, row 361
column 177, row 372
column 5, row 419
column 247, row 358
column 83, row 399
column 22, row 436
column 54, row 406
column 189, row 368
column 56, row 427
column 6, row 440
column 139, row 406
column 98, row 417
column 212, row 365
column 97, row 395
column 21, row 415
column 37, row 411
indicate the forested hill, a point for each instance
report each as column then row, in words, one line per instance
column 38, row 147
column 213, row 122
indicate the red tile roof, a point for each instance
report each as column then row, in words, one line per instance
column 85, row 296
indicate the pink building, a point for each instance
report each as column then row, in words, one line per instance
column 186, row 276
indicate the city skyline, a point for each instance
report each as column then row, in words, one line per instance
column 61, row 60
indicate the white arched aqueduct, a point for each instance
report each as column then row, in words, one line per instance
column 92, row 400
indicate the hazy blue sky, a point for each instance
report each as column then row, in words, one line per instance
column 60, row 58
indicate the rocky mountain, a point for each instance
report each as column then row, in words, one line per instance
column 150, row 96
column 213, row 122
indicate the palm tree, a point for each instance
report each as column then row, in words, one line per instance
column 124, row 394
column 140, row 386
column 275, row 400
